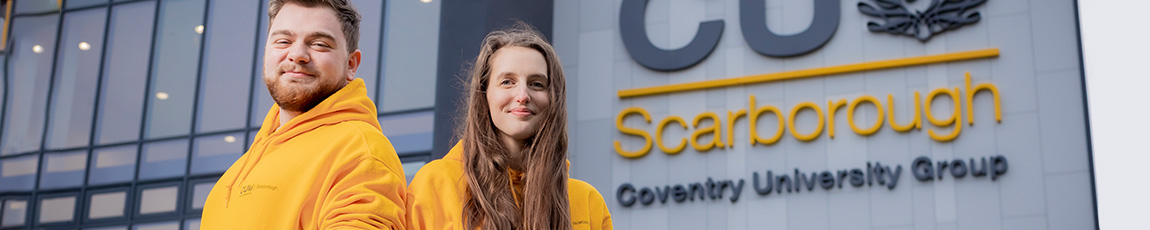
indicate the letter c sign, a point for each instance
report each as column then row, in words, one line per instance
column 752, row 16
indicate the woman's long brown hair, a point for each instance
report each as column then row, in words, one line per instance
column 490, row 203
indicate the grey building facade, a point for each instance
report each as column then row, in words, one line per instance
column 121, row 114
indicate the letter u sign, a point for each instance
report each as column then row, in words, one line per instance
column 752, row 16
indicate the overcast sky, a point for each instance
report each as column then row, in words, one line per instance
column 1116, row 45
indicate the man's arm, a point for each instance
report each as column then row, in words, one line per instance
column 364, row 195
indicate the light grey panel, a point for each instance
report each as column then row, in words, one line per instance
column 595, row 73
column 1022, row 188
column 1068, row 201
column 1055, row 33
column 1063, row 132
column 1025, row 223
column 596, row 14
column 411, row 39
column 565, row 32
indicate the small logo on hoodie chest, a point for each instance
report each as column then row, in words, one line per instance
column 253, row 188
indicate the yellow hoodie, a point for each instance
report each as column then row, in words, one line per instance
column 328, row 168
column 438, row 190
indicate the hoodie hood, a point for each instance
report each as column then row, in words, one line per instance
column 348, row 104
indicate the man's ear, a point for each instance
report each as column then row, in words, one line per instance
column 353, row 61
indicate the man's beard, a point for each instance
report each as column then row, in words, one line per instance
column 301, row 98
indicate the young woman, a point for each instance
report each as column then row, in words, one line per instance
column 509, row 169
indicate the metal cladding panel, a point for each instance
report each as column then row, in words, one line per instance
column 1039, row 147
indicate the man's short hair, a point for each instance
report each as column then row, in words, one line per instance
column 348, row 17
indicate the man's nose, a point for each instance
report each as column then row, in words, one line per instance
column 298, row 53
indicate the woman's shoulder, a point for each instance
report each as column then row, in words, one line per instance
column 583, row 190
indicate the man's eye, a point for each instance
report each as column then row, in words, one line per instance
column 321, row 45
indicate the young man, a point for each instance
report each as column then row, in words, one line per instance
column 319, row 160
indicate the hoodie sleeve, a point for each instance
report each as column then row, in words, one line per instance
column 364, row 195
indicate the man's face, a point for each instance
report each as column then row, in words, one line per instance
column 306, row 57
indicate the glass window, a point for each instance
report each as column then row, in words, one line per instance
column 174, row 67
column 73, row 4
column 410, row 168
column 77, row 68
column 200, row 193
column 36, row 6
column 164, row 159
column 410, row 133
column 231, row 29
column 192, row 224
column 412, row 51
column 112, row 164
column 18, row 174
column 158, row 200
column 214, row 154
column 125, row 72
column 33, row 45
column 63, row 170
column 109, row 228
column 57, row 209
column 261, row 99
column 173, row 225
column 371, row 12
column 14, row 211
column 107, row 204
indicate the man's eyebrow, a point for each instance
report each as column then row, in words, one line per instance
column 282, row 32
column 312, row 35
column 321, row 35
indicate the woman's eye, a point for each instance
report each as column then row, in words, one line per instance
column 505, row 82
column 537, row 84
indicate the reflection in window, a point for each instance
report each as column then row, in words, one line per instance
column 63, row 169
column 192, row 224
column 200, row 194
column 59, row 209
column 214, row 154
column 412, row 48
column 164, row 159
column 158, row 200
column 107, row 205
column 410, row 133
column 158, row 226
column 30, row 66
column 36, row 6
column 73, row 4
column 77, row 68
column 231, row 30
column 112, row 164
column 174, row 68
column 13, row 211
column 371, row 12
column 122, row 94
column 56, row 209
column 18, row 174
column 261, row 99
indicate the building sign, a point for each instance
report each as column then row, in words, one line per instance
column 875, row 113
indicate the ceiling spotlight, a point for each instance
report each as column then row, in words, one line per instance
column 230, row 139
column 85, row 46
column 200, row 29
column 162, row 96
column 37, row 49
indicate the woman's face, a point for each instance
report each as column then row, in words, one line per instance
column 517, row 91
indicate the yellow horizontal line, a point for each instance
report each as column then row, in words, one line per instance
column 848, row 68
